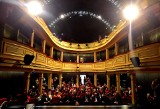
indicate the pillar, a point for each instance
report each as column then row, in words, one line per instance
column 50, row 81
column 95, row 79
column 51, row 52
column 61, row 56
column 107, row 54
column 116, row 48
column 60, row 79
column 40, row 83
column 95, row 57
column 142, row 35
column 77, row 80
column 108, row 81
column 32, row 39
column 18, row 33
column 133, row 77
column 77, row 58
column 27, row 78
column 43, row 46
column 130, row 41
column 118, row 82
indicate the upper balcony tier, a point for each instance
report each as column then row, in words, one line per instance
column 43, row 31
column 12, row 58
column 23, row 34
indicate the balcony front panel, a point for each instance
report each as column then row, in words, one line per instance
column 14, row 52
column 86, row 67
column 99, row 65
column 119, row 60
column 40, row 58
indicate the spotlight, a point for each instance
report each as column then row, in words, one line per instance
column 34, row 7
column 131, row 12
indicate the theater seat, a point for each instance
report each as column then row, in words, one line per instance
column 2, row 100
column 32, row 100
column 55, row 100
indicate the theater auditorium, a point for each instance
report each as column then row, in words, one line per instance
column 79, row 54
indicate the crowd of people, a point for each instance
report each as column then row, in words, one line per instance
column 84, row 94
column 88, row 94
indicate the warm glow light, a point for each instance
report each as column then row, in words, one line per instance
column 131, row 12
column 34, row 7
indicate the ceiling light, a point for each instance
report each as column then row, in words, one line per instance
column 99, row 17
column 131, row 12
column 116, row 3
column 82, row 13
column 34, row 7
column 62, row 16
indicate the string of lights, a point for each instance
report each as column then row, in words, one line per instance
column 81, row 13
column 47, row 1
column 116, row 3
